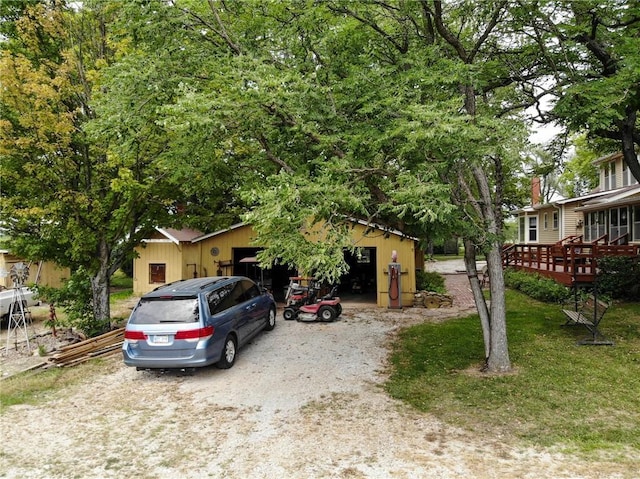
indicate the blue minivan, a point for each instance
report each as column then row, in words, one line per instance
column 196, row 322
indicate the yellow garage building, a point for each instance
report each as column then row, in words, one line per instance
column 170, row 255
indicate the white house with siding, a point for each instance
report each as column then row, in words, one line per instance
column 610, row 214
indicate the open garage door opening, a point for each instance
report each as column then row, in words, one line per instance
column 275, row 279
column 359, row 284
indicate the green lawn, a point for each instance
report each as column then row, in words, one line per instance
column 578, row 398
column 37, row 386
column 119, row 280
column 121, row 287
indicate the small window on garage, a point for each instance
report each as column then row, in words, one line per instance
column 364, row 256
column 157, row 273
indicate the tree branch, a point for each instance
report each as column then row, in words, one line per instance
column 402, row 48
column 487, row 31
column 271, row 156
column 444, row 32
column 223, row 32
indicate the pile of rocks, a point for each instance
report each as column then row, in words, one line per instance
column 431, row 300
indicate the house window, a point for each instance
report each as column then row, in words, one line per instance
column 627, row 177
column 533, row 228
column 613, row 224
column 602, row 224
column 364, row 257
column 595, row 225
column 625, row 174
column 157, row 273
column 556, row 220
column 546, row 221
column 636, row 222
column 610, row 176
column 619, row 222
column 624, row 220
column 590, row 225
column 521, row 229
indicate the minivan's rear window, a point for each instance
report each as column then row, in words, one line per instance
column 166, row 310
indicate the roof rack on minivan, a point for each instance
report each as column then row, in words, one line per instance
column 168, row 284
column 217, row 279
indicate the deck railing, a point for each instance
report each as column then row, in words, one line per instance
column 568, row 263
column 623, row 239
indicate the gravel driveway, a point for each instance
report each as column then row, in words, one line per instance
column 302, row 401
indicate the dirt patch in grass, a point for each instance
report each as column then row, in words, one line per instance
column 477, row 371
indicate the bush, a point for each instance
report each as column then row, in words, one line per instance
column 76, row 300
column 619, row 277
column 430, row 281
column 536, row 286
column 127, row 267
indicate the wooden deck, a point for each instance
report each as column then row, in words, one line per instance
column 569, row 262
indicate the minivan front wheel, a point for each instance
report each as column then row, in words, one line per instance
column 228, row 353
column 271, row 320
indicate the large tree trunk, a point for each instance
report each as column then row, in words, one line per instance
column 498, row 358
column 100, row 290
column 476, row 289
column 627, row 131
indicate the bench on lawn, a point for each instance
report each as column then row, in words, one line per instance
column 588, row 313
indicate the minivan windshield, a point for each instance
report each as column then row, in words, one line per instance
column 165, row 310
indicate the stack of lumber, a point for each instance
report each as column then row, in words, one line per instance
column 100, row 346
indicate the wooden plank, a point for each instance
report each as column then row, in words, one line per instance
column 94, row 347
column 115, row 332
column 30, row 368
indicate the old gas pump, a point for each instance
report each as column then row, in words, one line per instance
column 395, row 291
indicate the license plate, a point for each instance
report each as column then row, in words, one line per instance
column 164, row 339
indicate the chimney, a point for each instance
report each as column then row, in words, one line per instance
column 535, row 191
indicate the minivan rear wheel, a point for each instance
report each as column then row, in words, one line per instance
column 228, row 353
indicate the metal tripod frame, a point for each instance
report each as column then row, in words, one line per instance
column 18, row 314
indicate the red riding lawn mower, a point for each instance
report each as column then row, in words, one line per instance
column 302, row 303
column 297, row 294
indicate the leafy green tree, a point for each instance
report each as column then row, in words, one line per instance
column 543, row 165
column 239, row 116
column 371, row 110
column 178, row 72
column 69, row 195
column 580, row 176
column 404, row 113
column 593, row 51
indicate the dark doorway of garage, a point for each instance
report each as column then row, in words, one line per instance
column 359, row 284
column 275, row 279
